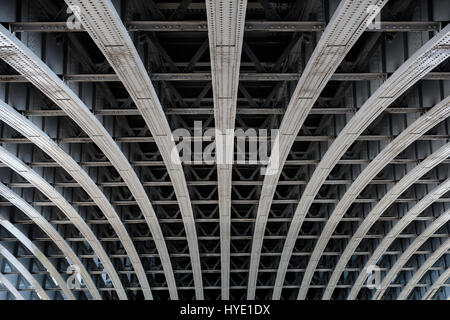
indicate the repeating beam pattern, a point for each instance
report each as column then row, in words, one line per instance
column 53, row 234
column 89, row 99
column 40, row 256
column 24, row 272
column 423, row 61
column 435, row 194
column 28, row 64
column 344, row 29
column 374, row 215
column 44, row 142
column 226, row 32
column 11, row 288
column 108, row 32
column 443, row 249
column 66, row 208
column 409, row 252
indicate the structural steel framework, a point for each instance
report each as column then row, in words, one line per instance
column 328, row 122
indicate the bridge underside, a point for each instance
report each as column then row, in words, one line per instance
column 173, row 43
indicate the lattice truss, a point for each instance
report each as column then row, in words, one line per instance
column 89, row 99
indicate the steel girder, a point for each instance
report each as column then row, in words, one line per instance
column 345, row 27
column 423, row 61
column 24, row 272
column 16, row 53
column 10, row 287
column 53, row 234
column 26, row 242
column 184, row 89
column 108, row 32
column 422, row 168
column 225, row 51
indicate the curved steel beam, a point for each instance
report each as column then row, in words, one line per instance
column 11, row 288
column 438, row 283
column 40, row 256
column 423, row 61
column 45, row 143
column 66, row 208
column 48, row 229
column 412, row 214
column 345, row 27
column 390, row 197
column 443, row 249
column 24, row 272
column 409, row 252
column 105, row 27
column 226, row 34
column 21, row 58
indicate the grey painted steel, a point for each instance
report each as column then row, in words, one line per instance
column 45, row 143
column 443, row 249
column 11, row 288
column 415, row 211
column 345, row 27
column 201, row 26
column 48, row 229
column 423, row 61
column 374, row 215
column 40, row 256
column 436, row 285
column 16, row 54
column 107, row 30
column 409, row 252
column 226, row 34
column 66, row 208
column 24, row 272
column 205, row 76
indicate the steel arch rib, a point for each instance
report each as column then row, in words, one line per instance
column 24, row 272
column 422, row 62
column 226, row 21
column 11, row 288
column 16, row 54
column 409, row 252
column 48, row 229
column 443, row 249
column 393, row 194
column 345, row 27
column 27, row 243
column 436, row 285
column 68, row 210
column 105, row 27
column 45, row 143
column 412, row 214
